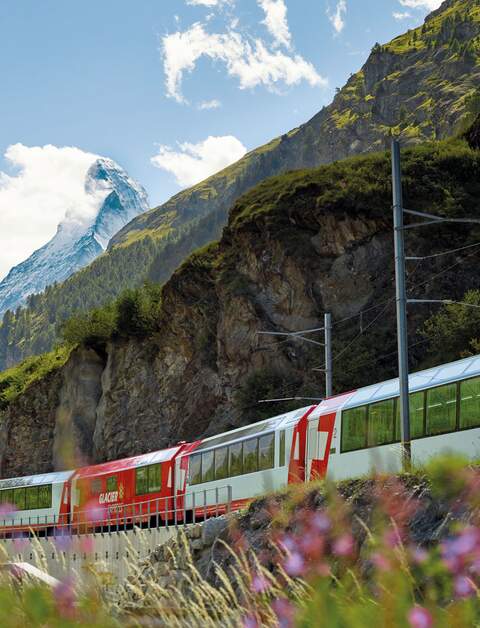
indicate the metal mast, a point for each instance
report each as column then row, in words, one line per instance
column 328, row 356
column 401, row 298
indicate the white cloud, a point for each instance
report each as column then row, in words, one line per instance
column 251, row 62
column 276, row 21
column 421, row 4
column 401, row 15
column 48, row 187
column 193, row 163
column 337, row 17
column 209, row 104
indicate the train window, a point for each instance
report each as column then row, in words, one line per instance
column 208, row 466
column 354, row 429
column 19, row 498
column 32, row 497
column 441, row 409
column 266, row 452
column 96, row 486
column 281, row 454
column 417, row 416
column 235, row 454
column 154, row 478
column 45, row 496
column 6, row 496
column 381, row 423
column 250, row 455
column 195, row 469
column 112, row 484
column 470, row 403
column 221, row 463
column 141, row 481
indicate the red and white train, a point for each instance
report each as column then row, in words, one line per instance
column 343, row 436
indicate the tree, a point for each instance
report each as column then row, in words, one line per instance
column 454, row 331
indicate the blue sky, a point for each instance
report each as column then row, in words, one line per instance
column 93, row 75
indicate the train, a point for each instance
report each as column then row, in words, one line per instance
column 341, row 437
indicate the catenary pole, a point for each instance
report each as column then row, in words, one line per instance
column 401, row 298
column 328, row 356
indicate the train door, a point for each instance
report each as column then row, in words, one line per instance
column 319, row 439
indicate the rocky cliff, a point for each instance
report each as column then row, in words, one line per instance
column 419, row 86
column 295, row 246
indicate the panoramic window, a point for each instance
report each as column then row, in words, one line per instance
column 19, row 498
column 32, row 497
column 281, row 454
column 250, row 455
column 208, row 466
column 6, row 496
column 235, row 454
column 45, row 496
column 441, row 409
column 381, row 423
column 195, row 467
column 154, row 478
column 470, row 403
column 141, row 481
column 221, row 463
column 354, row 429
column 266, row 452
column 417, row 416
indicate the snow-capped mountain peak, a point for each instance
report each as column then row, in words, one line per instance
column 112, row 199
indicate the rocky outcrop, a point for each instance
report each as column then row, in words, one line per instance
column 76, row 415
column 27, row 429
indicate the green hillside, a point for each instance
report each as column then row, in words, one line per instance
column 419, row 86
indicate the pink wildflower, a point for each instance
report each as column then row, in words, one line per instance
column 7, row 510
column 65, row 598
column 285, row 612
column 295, row 565
column 321, row 522
column 87, row 544
column 312, row 544
column 344, row 545
column 463, row 586
column 381, row 562
column 260, row 584
column 419, row 617
column 419, row 555
column 63, row 542
column 250, row 622
column 95, row 513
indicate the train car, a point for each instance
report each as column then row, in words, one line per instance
column 35, row 502
column 352, row 434
column 236, row 466
column 125, row 491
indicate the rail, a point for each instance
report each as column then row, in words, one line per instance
column 165, row 512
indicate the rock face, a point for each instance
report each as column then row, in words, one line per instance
column 115, row 198
column 295, row 247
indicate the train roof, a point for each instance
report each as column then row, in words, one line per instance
column 58, row 477
column 436, row 376
column 254, row 429
column 134, row 462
